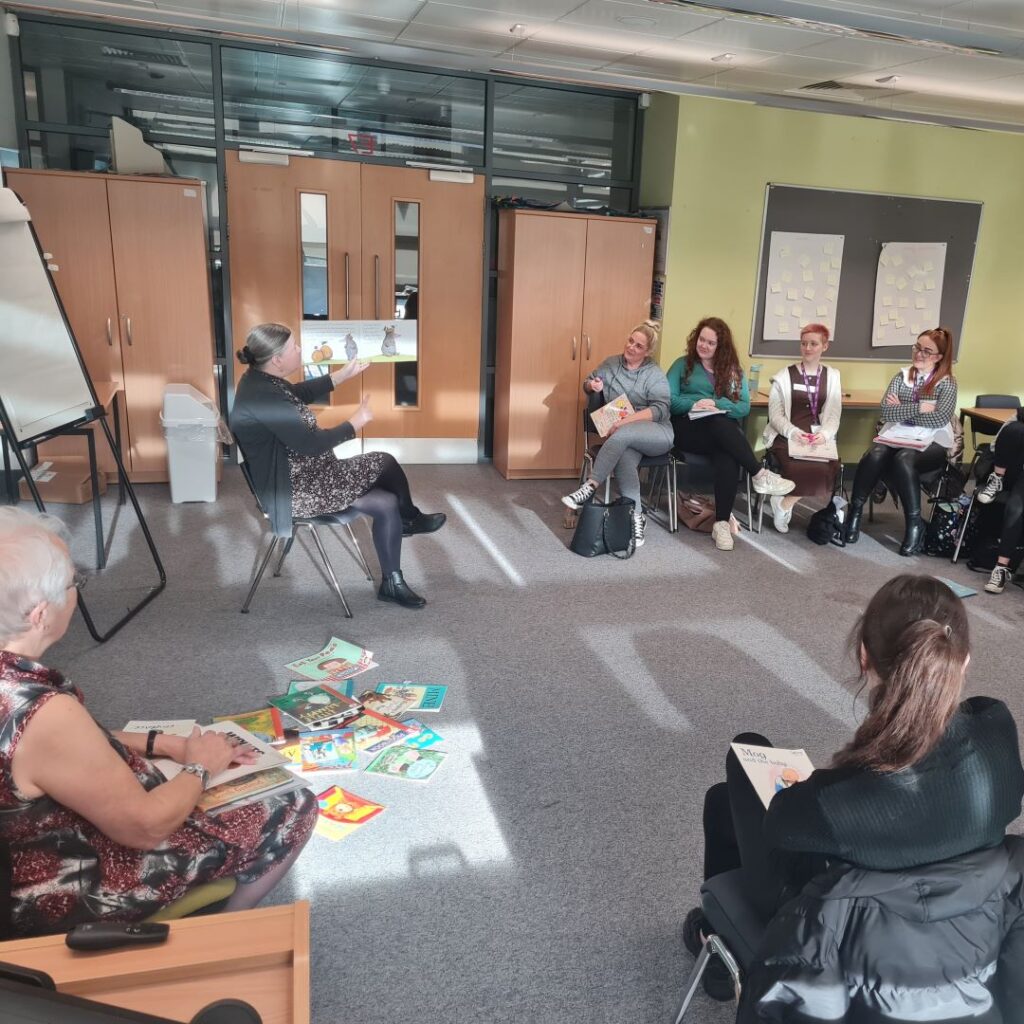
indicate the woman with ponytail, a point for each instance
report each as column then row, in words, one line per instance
column 292, row 462
column 926, row 777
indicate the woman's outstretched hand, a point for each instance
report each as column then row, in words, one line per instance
column 362, row 415
column 348, row 371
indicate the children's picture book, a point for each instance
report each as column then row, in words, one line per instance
column 317, row 707
column 610, row 414
column 292, row 753
column 423, row 696
column 268, row 757
column 373, row 732
column 393, row 704
column 169, row 726
column 805, row 451
column 958, row 588
column 337, row 660
column 342, row 812
column 328, row 751
column 265, row 723
column 422, row 737
column 899, row 435
column 248, row 789
column 346, row 687
column 404, row 762
column 771, row 769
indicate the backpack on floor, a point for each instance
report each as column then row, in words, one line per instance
column 943, row 528
column 826, row 526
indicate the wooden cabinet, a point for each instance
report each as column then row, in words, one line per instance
column 570, row 288
column 364, row 237
column 128, row 256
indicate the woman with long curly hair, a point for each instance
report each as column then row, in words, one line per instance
column 709, row 399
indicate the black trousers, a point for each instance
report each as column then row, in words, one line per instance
column 900, row 467
column 734, row 836
column 1009, row 454
column 723, row 440
column 388, row 504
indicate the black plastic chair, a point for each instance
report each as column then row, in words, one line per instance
column 343, row 518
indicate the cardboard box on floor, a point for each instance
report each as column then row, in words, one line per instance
column 63, row 480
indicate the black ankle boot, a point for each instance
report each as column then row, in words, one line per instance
column 913, row 539
column 423, row 522
column 394, row 588
column 853, row 522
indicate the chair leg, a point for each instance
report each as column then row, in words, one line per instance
column 259, row 572
column 673, row 496
column 330, row 570
column 963, row 530
column 722, row 951
column 284, row 554
column 694, row 980
column 357, row 553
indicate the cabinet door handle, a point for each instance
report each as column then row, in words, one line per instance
column 128, row 328
column 574, row 347
column 587, row 337
column 376, row 287
column 346, row 286
column 110, row 332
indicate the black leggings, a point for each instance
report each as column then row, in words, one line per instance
column 723, row 440
column 1009, row 455
column 900, row 467
column 734, row 836
column 388, row 504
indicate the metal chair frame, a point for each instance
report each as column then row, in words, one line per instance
column 713, row 946
column 345, row 518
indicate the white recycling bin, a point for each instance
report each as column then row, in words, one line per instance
column 192, row 427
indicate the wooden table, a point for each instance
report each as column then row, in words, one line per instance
column 260, row 956
column 988, row 417
column 856, row 399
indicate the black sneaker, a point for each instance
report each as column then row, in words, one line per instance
column 1001, row 575
column 993, row 485
column 717, row 981
column 639, row 523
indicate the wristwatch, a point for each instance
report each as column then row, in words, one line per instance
column 198, row 771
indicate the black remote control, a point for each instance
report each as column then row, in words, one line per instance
column 108, row 935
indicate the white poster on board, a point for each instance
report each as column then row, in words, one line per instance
column 802, row 286
column 908, row 291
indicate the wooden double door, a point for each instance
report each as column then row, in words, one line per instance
column 368, row 246
column 128, row 257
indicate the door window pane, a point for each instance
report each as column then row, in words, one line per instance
column 84, row 76
column 329, row 106
column 561, row 132
column 313, row 214
column 407, row 300
column 57, row 151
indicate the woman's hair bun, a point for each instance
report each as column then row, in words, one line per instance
column 244, row 355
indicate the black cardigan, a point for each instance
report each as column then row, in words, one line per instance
column 267, row 426
column 959, row 798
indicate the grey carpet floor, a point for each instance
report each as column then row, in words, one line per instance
column 542, row 876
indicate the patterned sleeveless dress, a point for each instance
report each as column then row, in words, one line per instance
column 65, row 871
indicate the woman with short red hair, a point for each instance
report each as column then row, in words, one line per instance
column 804, row 405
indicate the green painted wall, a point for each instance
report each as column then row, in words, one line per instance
column 726, row 152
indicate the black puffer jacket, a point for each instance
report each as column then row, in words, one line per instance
column 943, row 942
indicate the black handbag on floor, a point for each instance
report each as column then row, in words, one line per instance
column 605, row 529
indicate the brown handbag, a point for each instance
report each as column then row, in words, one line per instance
column 696, row 512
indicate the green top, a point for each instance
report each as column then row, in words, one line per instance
column 684, row 392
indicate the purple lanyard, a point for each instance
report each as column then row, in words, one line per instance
column 812, row 396
column 919, row 382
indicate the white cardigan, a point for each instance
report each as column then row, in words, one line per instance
column 780, row 407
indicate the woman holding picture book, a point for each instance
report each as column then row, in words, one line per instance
column 93, row 830
column 804, row 406
column 646, row 430
column 926, row 777
column 710, row 398
column 917, row 435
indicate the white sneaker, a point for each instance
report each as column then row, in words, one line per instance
column 1001, row 575
column 721, row 534
column 993, row 485
column 780, row 515
column 639, row 523
column 579, row 497
column 767, row 482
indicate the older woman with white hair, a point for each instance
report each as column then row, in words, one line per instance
column 93, row 830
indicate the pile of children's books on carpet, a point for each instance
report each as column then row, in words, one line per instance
column 321, row 725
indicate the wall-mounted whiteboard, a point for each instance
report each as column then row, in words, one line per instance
column 802, row 283
column 43, row 384
column 908, row 291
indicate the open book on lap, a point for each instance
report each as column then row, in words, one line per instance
column 771, row 769
column 610, row 414
column 823, row 451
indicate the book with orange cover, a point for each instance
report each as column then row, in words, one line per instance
column 342, row 812
column 373, row 732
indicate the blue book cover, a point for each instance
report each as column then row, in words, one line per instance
column 423, row 737
column 425, row 697
column 958, row 588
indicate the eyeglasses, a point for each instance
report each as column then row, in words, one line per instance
column 78, row 581
column 926, row 351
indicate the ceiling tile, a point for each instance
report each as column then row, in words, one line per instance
column 962, row 68
column 1005, row 14
column 249, row 12
column 567, row 54
column 302, row 16
column 665, row 69
column 393, row 10
column 755, row 79
column 470, row 19
column 457, row 40
column 518, row 10
column 649, row 19
column 867, row 52
column 745, row 33
column 810, row 67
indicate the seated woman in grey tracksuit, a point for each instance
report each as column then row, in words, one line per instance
column 646, row 431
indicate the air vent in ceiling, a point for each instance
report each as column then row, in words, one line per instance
column 842, row 91
column 144, row 56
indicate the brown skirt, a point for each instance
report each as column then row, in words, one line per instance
column 812, row 479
